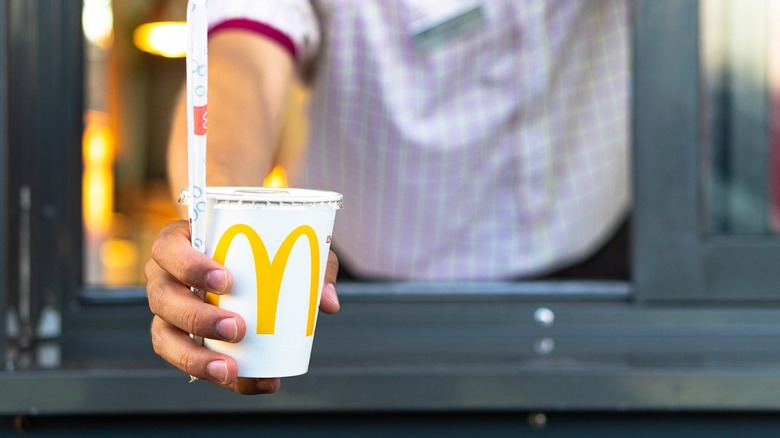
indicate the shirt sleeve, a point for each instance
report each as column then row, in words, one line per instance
column 291, row 23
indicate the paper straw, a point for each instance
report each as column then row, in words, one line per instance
column 197, row 102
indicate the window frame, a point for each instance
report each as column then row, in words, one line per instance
column 43, row 118
column 4, row 170
column 662, row 341
column 665, row 164
column 675, row 257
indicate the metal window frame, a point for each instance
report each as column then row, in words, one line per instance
column 44, row 126
column 675, row 258
column 666, row 131
column 4, row 166
column 656, row 343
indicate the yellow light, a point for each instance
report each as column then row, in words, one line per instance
column 119, row 259
column 164, row 38
column 276, row 178
column 98, row 148
column 119, row 253
column 98, row 180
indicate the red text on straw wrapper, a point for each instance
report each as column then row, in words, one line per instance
column 200, row 113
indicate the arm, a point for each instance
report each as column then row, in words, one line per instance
column 249, row 83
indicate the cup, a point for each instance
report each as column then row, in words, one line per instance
column 275, row 242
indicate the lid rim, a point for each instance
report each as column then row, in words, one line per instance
column 268, row 194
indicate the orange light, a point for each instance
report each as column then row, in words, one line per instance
column 119, row 261
column 98, row 180
column 276, row 178
column 119, row 254
column 164, row 38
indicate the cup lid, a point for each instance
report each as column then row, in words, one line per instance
column 265, row 196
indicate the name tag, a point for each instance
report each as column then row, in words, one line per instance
column 433, row 32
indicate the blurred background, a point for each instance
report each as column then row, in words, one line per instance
column 134, row 69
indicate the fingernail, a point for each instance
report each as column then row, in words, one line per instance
column 227, row 328
column 216, row 280
column 330, row 290
column 217, row 370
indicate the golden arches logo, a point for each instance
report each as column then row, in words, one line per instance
column 268, row 274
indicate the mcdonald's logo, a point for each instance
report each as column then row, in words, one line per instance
column 268, row 273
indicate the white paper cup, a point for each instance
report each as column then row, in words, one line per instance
column 275, row 242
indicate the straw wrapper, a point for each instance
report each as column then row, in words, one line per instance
column 197, row 102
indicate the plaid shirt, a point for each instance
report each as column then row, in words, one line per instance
column 471, row 140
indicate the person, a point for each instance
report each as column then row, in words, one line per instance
column 471, row 140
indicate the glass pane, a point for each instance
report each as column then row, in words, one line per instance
column 129, row 93
column 134, row 75
column 740, row 54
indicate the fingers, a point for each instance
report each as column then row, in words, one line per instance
column 176, row 347
column 330, row 300
column 171, row 299
column 173, row 252
column 180, row 307
column 179, row 312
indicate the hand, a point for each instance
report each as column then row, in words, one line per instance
column 175, row 267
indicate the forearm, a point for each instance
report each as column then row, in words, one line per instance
column 249, row 81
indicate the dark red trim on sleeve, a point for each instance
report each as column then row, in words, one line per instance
column 259, row 28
